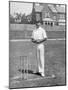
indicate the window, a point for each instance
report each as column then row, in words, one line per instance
column 47, row 15
column 62, row 16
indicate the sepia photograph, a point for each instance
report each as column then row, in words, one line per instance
column 37, row 44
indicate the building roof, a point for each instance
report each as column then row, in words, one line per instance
column 60, row 8
column 57, row 8
column 53, row 9
column 48, row 19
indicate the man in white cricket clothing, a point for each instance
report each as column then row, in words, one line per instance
column 39, row 37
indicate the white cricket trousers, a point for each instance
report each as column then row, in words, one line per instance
column 40, row 57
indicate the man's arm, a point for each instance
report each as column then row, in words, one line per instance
column 40, row 41
column 43, row 39
column 33, row 40
column 44, row 35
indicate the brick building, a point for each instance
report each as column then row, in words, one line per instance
column 49, row 14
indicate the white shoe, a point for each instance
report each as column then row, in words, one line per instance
column 42, row 74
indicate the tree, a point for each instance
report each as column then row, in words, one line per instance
column 24, row 19
column 33, row 15
column 11, row 19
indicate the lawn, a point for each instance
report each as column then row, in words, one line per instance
column 54, row 63
column 55, row 60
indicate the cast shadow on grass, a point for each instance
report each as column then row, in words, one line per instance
column 29, row 72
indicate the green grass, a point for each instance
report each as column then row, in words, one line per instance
column 54, row 63
column 54, row 56
column 24, row 31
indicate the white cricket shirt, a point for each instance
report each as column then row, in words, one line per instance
column 39, row 33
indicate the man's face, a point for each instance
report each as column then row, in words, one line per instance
column 38, row 24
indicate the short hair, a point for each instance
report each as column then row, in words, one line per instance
column 37, row 24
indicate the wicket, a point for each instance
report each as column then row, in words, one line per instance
column 24, row 67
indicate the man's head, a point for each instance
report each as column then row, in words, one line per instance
column 38, row 24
